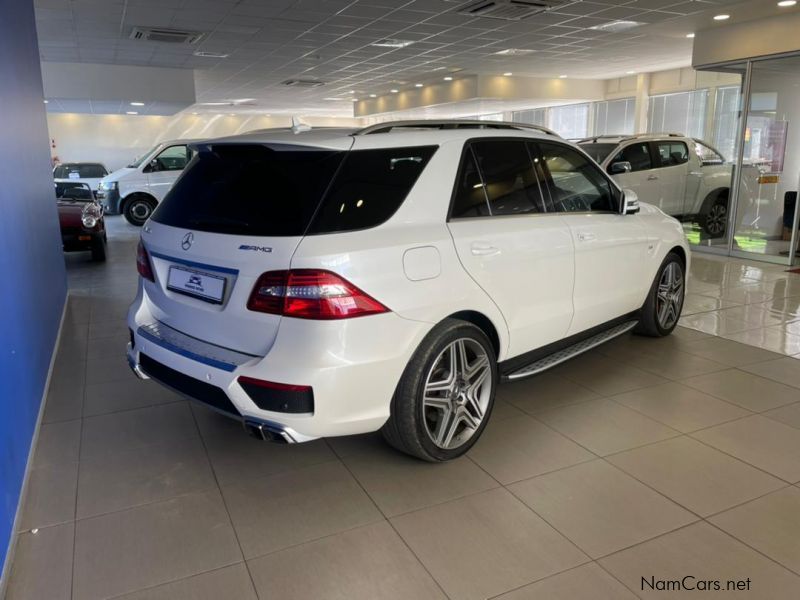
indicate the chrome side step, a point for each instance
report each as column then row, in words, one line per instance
column 561, row 356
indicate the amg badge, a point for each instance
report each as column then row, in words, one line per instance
column 255, row 248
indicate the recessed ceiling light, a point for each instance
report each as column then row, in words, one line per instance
column 448, row 78
column 393, row 43
column 334, row 99
column 393, row 91
column 373, row 96
column 207, row 54
column 417, row 85
column 194, row 113
column 722, row 17
column 131, row 112
column 137, row 103
column 616, row 26
column 355, row 99
column 562, row 76
column 507, row 74
column 515, row 52
column 785, row 3
column 690, row 35
column 631, row 72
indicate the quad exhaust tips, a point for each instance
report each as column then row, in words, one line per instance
column 267, row 432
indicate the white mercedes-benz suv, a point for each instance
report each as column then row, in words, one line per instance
column 334, row 282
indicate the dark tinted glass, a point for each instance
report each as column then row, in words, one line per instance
column 82, row 171
column 578, row 184
column 370, row 186
column 672, row 153
column 74, row 191
column 637, row 154
column 512, row 186
column 598, row 152
column 174, row 158
column 249, row 190
column 469, row 198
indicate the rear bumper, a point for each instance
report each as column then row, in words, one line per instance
column 353, row 367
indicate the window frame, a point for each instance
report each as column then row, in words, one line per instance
column 188, row 149
column 656, row 154
column 614, row 187
column 650, row 150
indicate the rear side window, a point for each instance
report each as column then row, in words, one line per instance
column 469, row 199
column 511, row 183
column 370, row 187
column 248, row 189
column 637, row 154
column 672, row 153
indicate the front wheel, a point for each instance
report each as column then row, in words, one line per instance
column 138, row 209
column 446, row 394
column 664, row 303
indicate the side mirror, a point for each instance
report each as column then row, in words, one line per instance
column 620, row 167
column 152, row 166
column 630, row 202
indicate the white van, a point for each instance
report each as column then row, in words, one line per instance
column 135, row 190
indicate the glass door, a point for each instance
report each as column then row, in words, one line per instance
column 765, row 220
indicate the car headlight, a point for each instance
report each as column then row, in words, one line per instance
column 108, row 185
column 89, row 221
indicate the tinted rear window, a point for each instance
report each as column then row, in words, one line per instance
column 254, row 190
column 75, row 191
column 82, row 171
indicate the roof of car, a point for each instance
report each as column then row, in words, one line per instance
column 401, row 133
column 619, row 138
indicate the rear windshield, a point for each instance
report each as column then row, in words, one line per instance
column 249, row 189
column 598, row 152
column 74, row 191
column 79, row 171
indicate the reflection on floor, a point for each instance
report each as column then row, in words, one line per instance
column 643, row 458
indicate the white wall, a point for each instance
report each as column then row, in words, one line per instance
column 116, row 140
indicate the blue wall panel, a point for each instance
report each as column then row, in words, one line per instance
column 32, row 277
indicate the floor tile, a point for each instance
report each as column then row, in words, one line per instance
column 789, row 414
column 544, row 392
column 784, row 370
column 587, row 582
column 111, row 369
column 521, row 448
column 686, row 334
column 146, row 546
column 706, row 554
column 673, row 365
column 605, row 427
column 57, row 444
column 43, row 565
column 700, row 478
column 123, row 479
column 104, row 398
column 50, row 498
column 600, row 508
column 107, row 346
column 64, row 399
column 715, row 324
column 606, row 376
column 745, row 389
column 774, row 339
column 106, row 329
column 486, row 544
column 273, row 513
column 131, row 429
column 681, row 407
column 761, row 442
column 229, row 582
column 398, row 483
column 362, row 564
column 728, row 352
column 347, row 445
column 502, row 410
column 770, row 524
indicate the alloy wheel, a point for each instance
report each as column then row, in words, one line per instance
column 669, row 298
column 716, row 219
column 140, row 210
column 457, row 393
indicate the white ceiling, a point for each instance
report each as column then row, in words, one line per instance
column 269, row 41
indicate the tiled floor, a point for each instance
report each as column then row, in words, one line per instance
column 644, row 458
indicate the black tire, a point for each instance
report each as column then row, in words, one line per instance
column 99, row 250
column 138, row 209
column 651, row 324
column 408, row 426
column 715, row 220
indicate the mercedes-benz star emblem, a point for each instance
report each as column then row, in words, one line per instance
column 188, row 240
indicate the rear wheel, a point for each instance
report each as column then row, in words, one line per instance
column 664, row 303
column 138, row 209
column 446, row 394
column 715, row 221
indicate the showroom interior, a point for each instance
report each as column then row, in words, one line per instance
column 645, row 467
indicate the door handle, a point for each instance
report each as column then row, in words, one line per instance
column 586, row 236
column 481, row 249
column 652, row 177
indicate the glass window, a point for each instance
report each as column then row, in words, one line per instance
column 469, row 199
column 598, row 151
column 570, row 121
column 74, row 191
column 80, row 171
column 248, row 189
column 370, row 186
column 536, row 116
column 672, row 153
column 173, row 158
column 510, row 181
column 578, row 184
column 684, row 113
column 614, row 117
column 637, row 154
column 726, row 119
column 707, row 154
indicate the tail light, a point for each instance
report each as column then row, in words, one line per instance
column 311, row 294
column 143, row 263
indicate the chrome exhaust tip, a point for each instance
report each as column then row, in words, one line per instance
column 267, row 432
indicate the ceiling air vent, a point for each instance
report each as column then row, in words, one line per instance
column 508, row 10
column 162, row 34
column 305, row 83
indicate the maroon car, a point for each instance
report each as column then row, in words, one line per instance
column 81, row 219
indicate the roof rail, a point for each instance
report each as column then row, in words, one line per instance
column 624, row 137
column 594, row 138
column 451, row 124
